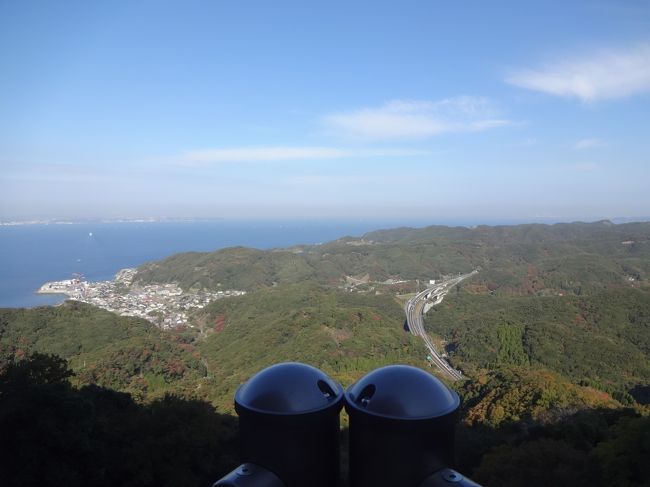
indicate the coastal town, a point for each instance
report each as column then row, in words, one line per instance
column 164, row 305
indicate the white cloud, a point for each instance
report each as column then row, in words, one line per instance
column 412, row 119
column 589, row 144
column 605, row 74
column 286, row 153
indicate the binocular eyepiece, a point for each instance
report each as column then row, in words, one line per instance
column 401, row 432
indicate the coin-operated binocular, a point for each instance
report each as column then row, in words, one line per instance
column 402, row 423
column 289, row 429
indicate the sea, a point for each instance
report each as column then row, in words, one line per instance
column 33, row 254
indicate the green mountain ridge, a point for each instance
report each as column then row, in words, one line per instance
column 572, row 258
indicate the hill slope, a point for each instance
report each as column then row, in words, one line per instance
column 573, row 258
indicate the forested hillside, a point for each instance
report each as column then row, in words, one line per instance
column 121, row 353
column 572, row 258
column 54, row 433
column 601, row 340
column 344, row 334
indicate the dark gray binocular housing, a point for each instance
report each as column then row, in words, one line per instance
column 402, row 423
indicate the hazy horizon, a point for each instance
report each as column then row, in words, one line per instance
column 375, row 110
column 380, row 222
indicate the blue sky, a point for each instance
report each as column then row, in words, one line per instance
column 412, row 109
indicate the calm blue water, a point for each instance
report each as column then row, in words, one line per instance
column 31, row 255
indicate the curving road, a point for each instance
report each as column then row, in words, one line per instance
column 414, row 309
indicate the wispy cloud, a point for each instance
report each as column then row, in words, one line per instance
column 606, row 74
column 286, row 153
column 589, row 144
column 413, row 119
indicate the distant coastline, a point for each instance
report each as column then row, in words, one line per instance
column 13, row 223
column 31, row 254
column 451, row 221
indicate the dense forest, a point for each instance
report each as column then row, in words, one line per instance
column 553, row 336
column 577, row 258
